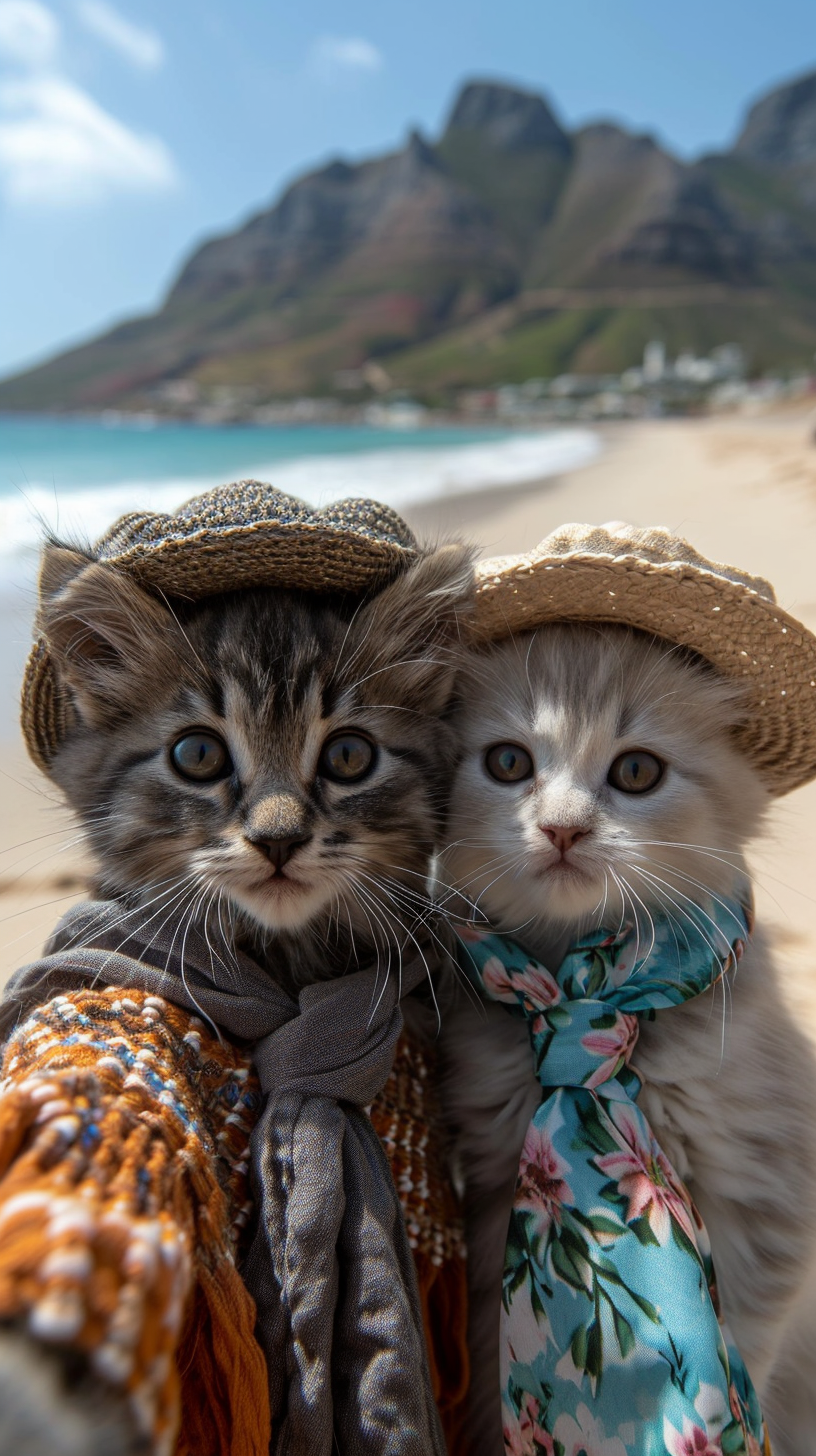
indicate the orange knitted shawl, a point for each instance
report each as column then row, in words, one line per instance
column 124, row 1194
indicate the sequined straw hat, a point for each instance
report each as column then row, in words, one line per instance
column 649, row 579
column 236, row 536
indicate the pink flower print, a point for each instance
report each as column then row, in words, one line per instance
column 539, row 988
column 752, row 1447
column 615, row 1044
column 584, row 1436
column 691, row 1441
column 523, row 1434
column 542, row 1187
column 498, row 981
column 646, row 1178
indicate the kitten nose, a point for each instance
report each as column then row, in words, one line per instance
column 561, row 837
column 279, row 851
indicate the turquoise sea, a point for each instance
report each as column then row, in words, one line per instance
column 77, row 475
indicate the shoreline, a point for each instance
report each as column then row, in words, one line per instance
column 740, row 490
column 78, row 479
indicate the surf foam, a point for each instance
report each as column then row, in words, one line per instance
column 397, row 477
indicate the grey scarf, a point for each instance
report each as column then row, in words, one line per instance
column 329, row 1267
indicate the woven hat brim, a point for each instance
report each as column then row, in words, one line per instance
column 311, row 558
column 45, row 713
column 741, row 633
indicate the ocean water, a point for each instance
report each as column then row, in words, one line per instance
column 77, row 476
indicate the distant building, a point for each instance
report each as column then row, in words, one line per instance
column 654, row 361
column 395, row 414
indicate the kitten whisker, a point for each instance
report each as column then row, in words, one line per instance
column 36, row 839
column 214, row 953
column 423, row 661
column 738, row 864
column 714, row 850
column 689, row 879
column 407, row 930
column 227, row 940
column 179, row 896
column 193, row 911
column 653, row 878
column 622, row 920
column 514, row 863
column 31, row 786
column 102, row 923
column 358, row 891
column 360, row 645
column 445, row 949
column 32, row 869
column 41, row 905
column 603, row 901
column 633, row 893
column 664, row 901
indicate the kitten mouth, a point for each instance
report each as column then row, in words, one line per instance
column 281, row 883
column 565, row 868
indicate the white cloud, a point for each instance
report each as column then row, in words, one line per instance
column 139, row 44
column 29, row 33
column 58, row 147
column 334, row 55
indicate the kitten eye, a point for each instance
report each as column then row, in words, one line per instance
column 508, row 763
column 201, row 757
column 347, row 757
column 635, row 772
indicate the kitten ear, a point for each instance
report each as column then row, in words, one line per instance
column 104, row 632
column 409, row 633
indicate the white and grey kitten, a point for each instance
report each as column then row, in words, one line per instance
column 271, row 765
column 601, row 779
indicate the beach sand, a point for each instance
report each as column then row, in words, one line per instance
column 742, row 490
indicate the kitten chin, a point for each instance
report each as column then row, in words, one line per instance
column 546, row 842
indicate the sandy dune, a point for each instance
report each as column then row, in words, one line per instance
column 742, row 490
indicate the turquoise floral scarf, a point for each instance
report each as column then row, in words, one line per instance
column 612, row 1343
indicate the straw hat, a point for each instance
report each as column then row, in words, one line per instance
column 236, row 536
column 655, row 581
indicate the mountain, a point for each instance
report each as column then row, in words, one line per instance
column 509, row 247
column 780, row 134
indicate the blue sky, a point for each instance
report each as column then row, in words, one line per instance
column 130, row 129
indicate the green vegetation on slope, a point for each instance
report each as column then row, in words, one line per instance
column 452, row 265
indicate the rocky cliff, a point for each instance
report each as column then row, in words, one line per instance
column 506, row 247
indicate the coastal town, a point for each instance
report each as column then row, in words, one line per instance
column 658, row 386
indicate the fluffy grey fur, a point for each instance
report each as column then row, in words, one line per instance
column 274, row 676
column 729, row 1082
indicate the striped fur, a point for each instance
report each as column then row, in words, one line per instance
column 274, row 674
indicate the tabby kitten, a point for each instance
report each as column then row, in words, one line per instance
column 600, row 781
column 271, row 757
column 269, row 765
